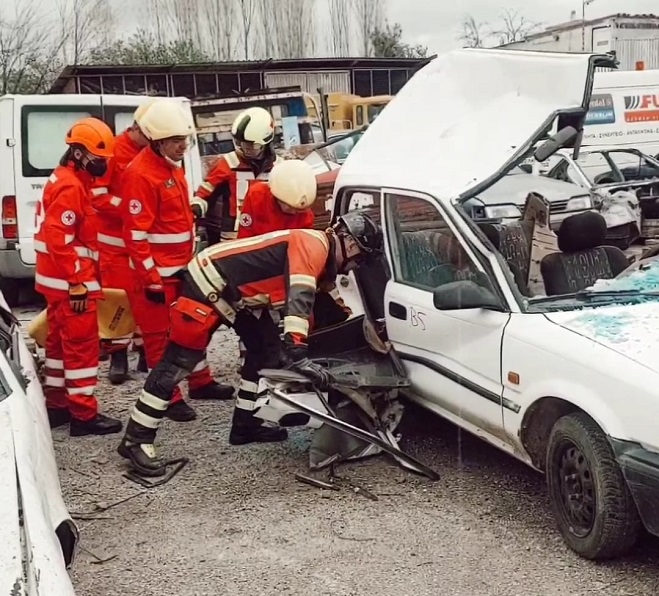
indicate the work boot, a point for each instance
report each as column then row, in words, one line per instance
column 214, row 390
column 142, row 457
column 118, row 367
column 141, row 361
column 245, row 428
column 180, row 412
column 58, row 417
column 101, row 425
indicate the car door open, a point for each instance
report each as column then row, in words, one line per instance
column 443, row 315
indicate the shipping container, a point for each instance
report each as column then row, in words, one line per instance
column 633, row 38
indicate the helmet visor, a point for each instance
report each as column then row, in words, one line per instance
column 251, row 150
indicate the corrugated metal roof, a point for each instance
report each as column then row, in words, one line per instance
column 303, row 64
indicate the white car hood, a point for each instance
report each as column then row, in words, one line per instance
column 630, row 329
column 464, row 116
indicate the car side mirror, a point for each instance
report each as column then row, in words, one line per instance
column 465, row 294
column 563, row 138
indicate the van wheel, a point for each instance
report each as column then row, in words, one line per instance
column 592, row 505
column 11, row 290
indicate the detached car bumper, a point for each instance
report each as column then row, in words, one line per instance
column 640, row 468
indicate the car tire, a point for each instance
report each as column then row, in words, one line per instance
column 592, row 505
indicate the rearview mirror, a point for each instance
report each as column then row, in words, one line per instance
column 462, row 295
column 561, row 139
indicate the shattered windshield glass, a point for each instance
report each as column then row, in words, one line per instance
column 640, row 285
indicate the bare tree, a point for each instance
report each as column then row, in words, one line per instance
column 369, row 16
column 295, row 28
column 28, row 50
column 339, row 31
column 221, row 32
column 84, row 23
column 247, row 11
column 514, row 27
column 270, row 20
column 473, row 33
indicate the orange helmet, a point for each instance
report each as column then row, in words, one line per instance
column 94, row 135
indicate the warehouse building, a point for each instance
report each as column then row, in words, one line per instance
column 361, row 76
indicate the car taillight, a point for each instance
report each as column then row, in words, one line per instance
column 9, row 218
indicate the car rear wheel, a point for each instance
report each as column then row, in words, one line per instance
column 592, row 505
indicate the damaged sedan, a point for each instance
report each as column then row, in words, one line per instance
column 495, row 326
column 39, row 536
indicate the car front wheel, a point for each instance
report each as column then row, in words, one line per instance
column 592, row 505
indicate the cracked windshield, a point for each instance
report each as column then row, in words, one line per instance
column 329, row 297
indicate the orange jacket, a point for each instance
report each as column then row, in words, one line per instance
column 261, row 214
column 158, row 222
column 65, row 240
column 283, row 268
column 230, row 179
column 106, row 199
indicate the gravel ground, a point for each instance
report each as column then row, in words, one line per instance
column 236, row 521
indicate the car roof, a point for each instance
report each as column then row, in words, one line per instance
column 463, row 116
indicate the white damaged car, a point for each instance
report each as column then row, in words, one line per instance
column 565, row 379
column 39, row 538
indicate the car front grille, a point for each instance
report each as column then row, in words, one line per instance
column 559, row 206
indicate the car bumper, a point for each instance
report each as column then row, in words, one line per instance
column 556, row 219
column 640, row 468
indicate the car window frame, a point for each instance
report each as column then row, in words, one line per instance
column 472, row 251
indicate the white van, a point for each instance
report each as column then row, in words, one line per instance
column 624, row 111
column 32, row 130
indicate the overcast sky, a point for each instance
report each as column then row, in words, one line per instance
column 436, row 23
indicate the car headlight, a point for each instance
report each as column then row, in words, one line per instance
column 502, row 212
column 578, row 203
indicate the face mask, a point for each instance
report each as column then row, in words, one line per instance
column 97, row 167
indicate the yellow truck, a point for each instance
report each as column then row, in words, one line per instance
column 347, row 111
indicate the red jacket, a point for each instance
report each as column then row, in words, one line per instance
column 231, row 178
column 261, row 214
column 65, row 240
column 158, row 221
column 106, row 199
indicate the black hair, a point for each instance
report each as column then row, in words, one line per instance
column 68, row 156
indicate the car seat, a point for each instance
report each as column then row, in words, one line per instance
column 513, row 240
column 583, row 258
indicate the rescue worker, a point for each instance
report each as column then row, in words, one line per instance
column 67, row 255
column 114, row 269
column 236, row 284
column 282, row 203
column 220, row 196
column 158, row 231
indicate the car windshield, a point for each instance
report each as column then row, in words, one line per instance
column 618, row 166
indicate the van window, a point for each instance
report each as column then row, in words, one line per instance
column 122, row 120
column 42, row 135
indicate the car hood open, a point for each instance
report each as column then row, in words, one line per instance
column 630, row 330
column 461, row 119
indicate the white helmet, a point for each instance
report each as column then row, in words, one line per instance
column 253, row 125
column 166, row 118
column 142, row 108
column 293, row 182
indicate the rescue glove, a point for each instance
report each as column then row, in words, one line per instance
column 155, row 293
column 197, row 211
column 299, row 362
column 78, row 298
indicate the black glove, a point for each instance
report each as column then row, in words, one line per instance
column 197, row 211
column 155, row 294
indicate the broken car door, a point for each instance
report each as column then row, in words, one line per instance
column 452, row 356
